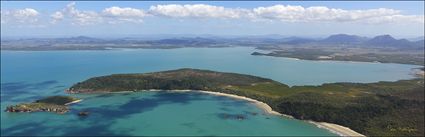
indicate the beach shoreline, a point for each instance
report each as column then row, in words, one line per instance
column 73, row 102
column 337, row 129
column 257, row 103
column 334, row 128
column 418, row 72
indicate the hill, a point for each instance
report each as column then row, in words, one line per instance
column 178, row 79
column 344, row 39
column 389, row 41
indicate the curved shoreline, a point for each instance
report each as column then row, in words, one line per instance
column 418, row 72
column 334, row 128
column 73, row 102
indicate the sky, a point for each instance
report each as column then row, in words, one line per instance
column 289, row 18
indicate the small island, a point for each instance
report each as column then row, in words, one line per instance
column 57, row 104
column 382, row 108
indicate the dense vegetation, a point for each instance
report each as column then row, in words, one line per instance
column 383, row 108
column 180, row 79
column 58, row 100
column 55, row 104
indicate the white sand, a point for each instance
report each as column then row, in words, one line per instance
column 76, row 101
column 324, row 57
column 417, row 72
column 337, row 129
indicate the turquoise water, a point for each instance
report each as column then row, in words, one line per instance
column 29, row 75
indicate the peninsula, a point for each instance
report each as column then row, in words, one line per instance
column 341, row 55
column 382, row 108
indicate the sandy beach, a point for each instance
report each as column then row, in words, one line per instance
column 334, row 128
column 337, row 129
column 417, row 72
column 73, row 102
column 259, row 104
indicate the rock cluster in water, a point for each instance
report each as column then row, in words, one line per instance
column 233, row 116
column 57, row 104
column 37, row 107
column 83, row 113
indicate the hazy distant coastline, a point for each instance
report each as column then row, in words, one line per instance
column 263, row 42
column 341, row 47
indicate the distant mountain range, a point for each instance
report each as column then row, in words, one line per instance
column 191, row 41
column 344, row 39
column 388, row 41
column 383, row 41
column 353, row 40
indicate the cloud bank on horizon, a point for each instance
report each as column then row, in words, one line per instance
column 275, row 13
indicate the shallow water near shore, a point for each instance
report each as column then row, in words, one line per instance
column 161, row 113
column 30, row 75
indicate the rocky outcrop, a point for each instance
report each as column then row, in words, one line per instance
column 83, row 113
column 56, row 104
column 38, row 107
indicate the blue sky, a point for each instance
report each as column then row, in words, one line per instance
column 35, row 19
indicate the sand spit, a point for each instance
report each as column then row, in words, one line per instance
column 73, row 102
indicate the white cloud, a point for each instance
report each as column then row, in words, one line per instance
column 110, row 15
column 285, row 13
column 290, row 13
column 197, row 11
column 81, row 17
column 124, row 14
column 76, row 16
column 27, row 15
column 282, row 13
column 397, row 19
column 57, row 16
